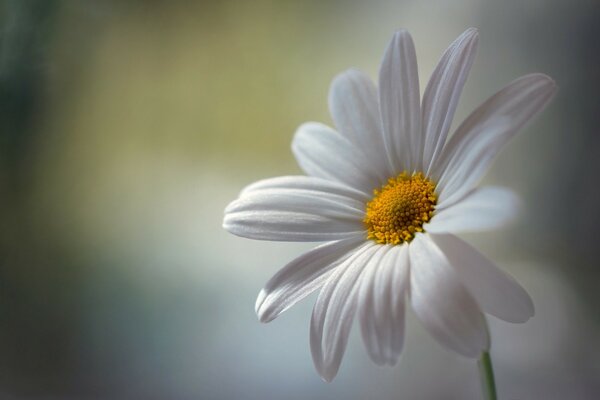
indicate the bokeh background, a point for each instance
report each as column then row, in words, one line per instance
column 127, row 126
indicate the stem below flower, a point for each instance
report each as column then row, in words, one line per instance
column 486, row 372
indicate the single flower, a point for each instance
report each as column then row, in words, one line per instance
column 386, row 192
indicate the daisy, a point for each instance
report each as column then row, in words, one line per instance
column 387, row 192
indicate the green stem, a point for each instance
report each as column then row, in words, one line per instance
column 486, row 372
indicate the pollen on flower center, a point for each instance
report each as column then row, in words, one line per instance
column 400, row 208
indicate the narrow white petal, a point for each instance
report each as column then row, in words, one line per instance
column 302, row 182
column 323, row 152
column 399, row 288
column 440, row 301
column 288, row 226
column 368, row 296
column 301, row 277
column 382, row 304
column 496, row 292
column 443, row 92
column 299, row 200
column 483, row 209
column 399, row 100
column 334, row 312
column 354, row 106
column 294, row 214
column 471, row 150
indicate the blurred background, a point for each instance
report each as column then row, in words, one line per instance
column 127, row 126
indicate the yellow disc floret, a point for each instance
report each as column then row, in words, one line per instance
column 399, row 209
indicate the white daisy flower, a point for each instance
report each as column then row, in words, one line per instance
column 386, row 192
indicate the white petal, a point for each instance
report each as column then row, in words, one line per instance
column 369, row 297
column 294, row 214
column 323, row 152
column 381, row 305
column 496, row 292
column 399, row 100
column 443, row 92
column 483, row 209
column 316, row 202
column 471, row 150
column 288, row 226
column 354, row 106
column 301, row 277
column 334, row 312
column 440, row 301
column 306, row 183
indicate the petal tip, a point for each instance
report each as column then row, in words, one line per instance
column 550, row 80
column 471, row 37
column 472, row 31
column 340, row 82
column 540, row 78
column 466, row 39
column 349, row 73
column 227, row 222
column 262, row 309
column 523, row 320
column 260, row 299
column 225, row 225
column 230, row 207
column 264, row 318
column 327, row 376
column 527, row 312
column 401, row 34
column 553, row 86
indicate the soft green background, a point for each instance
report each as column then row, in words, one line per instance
column 127, row 126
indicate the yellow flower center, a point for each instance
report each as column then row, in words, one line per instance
column 399, row 209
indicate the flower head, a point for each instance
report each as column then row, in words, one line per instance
column 386, row 192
